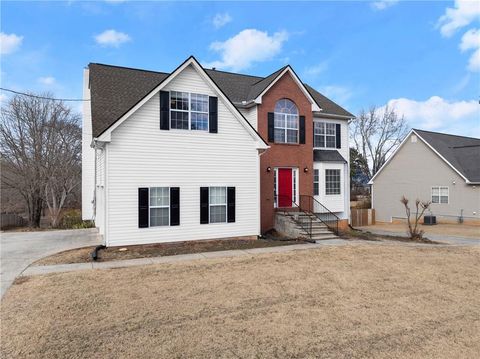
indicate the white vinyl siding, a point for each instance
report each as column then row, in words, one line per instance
column 334, row 202
column 141, row 155
column 251, row 115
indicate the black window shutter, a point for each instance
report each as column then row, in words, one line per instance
column 164, row 110
column 271, row 127
column 231, row 204
column 213, row 114
column 338, row 135
column 203, row 205
column 142, row 207
column 302, row 130
column 174, row 206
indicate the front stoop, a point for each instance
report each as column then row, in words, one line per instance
column 290, row 225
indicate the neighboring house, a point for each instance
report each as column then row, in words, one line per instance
column 203, row 154
column 430, row 166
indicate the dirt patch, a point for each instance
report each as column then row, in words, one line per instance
column 459, row 230
column 334, row 302
column 369, row 236
column 82, row 255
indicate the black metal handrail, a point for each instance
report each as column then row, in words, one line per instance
column 305, row 222
column 327, row 217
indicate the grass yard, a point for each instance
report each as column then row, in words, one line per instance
column 367, row 300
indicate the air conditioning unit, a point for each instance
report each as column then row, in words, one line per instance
column 429, row 220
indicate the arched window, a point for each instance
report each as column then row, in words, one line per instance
column 286, row 121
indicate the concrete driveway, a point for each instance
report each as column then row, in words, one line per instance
column 20, row 249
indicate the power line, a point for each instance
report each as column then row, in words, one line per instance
column 43, row 97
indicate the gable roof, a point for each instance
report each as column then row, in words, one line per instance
column 114, row 90
column 461, row 153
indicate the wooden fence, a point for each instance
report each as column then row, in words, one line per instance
column 362, row 217
column 11, row 220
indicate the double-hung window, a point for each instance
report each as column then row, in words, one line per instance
column 159, row 205
column 218, row 204
column 188, row 111
column 324, row 134
column 439, row 194
column 316, row 185
column 286, row 121
column 332, row 181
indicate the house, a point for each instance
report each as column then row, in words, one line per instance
column 200, row 153
column 430, row 166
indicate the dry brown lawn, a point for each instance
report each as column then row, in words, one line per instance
column 450, row 229
column 354, row 301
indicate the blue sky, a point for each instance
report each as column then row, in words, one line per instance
column 421, row 57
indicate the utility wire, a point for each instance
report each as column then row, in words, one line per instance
column 42, row 97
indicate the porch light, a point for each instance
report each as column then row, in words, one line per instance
column 305, row 170
column 269, row 169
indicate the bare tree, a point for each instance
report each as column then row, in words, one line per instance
column 375, row 134
column 40, row 144
column 420, row 208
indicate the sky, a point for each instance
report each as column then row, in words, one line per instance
column 422, row 58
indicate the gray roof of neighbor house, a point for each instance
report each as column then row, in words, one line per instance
column 114, row 90
column 463, row 153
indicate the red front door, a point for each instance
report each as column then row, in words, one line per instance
column 284, row 187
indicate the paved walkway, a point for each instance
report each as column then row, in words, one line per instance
column 443, row 238
column 58, row 268
column 20, row 249
column 36, row 270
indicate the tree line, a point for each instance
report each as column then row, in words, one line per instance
column 40, row 142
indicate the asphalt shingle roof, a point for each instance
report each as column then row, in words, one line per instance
column 463, row 153
column 327, row 156
column 115, row 90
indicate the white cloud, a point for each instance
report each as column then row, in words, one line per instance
column 112, row 38
column 464, row 12
column 339, row 94
column 471, row 41
column 439, row 114
column 220, row 20
column 317, row 69
column 247, row 47
column 9, row 43
column 47, row 80
column 382, row 5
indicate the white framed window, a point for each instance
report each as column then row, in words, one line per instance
column 332, row 181
column 218, row 204
column 325, row 134
column 275, row 184
column 188, row 111
column 316, row 183
column 159, row 206
column 440, row 194
column 286, row 122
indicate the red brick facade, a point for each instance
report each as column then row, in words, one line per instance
column 284, row 155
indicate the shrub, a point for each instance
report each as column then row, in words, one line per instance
column 72, row 219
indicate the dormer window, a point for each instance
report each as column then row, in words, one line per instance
column 286, row 121
column 188, row 111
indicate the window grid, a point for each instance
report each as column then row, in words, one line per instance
column 275, row 187
column 325, row 134
column 316, row 187
column 188, row 111
column 285, row 122
column 332, row 181
column 440, row 194
column 218, row 204
column 159, row 206
column 294, row 180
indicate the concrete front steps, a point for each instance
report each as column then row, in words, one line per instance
column 320, row 231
